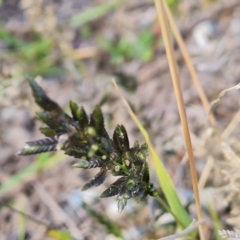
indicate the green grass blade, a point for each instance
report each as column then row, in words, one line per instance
column 59, row 235
column 216, row 222
column 22, row 226
column 7, row 37
column 94, row 13
column 43, row 162
column 166, row 182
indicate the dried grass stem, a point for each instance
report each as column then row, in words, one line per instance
column 177, row 88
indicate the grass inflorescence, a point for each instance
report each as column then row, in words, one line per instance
column 84, row 137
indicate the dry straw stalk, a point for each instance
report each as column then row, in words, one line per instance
column 189, row 64
column 160, row 6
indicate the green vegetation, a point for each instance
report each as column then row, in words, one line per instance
column 125, row 49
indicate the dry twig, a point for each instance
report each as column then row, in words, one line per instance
column 221, row 94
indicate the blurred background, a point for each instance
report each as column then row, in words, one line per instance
column 74, row 48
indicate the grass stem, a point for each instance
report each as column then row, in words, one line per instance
column 189, row 64
column 166, row 207
column 31, row 218
column 177, row 88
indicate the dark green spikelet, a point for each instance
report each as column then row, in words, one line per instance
column 136, row 144
column 106, row 143
column 144, row 150
column 52, row 123
column 140, row 194
column 48, row 104
column 43, row 100
column 82, row 118
column 120, row 139
column 48, row 120
column 48, row 132
column 96, row 121
column 74, row 109
column 145, row 173
column 115, row 188
column 79, row 116
column 77, row 152
column 122, row 201
column 97, row 180
column 94, row 163
column 39, row 146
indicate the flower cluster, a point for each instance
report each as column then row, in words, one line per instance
column 84, row 137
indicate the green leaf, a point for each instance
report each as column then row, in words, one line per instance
column 97, row 121
column 11, row 40
column 97, row 180
column 36, row 50
column 94, row 12
column 144, row 48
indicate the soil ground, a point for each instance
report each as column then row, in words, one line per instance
column 211, row 31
